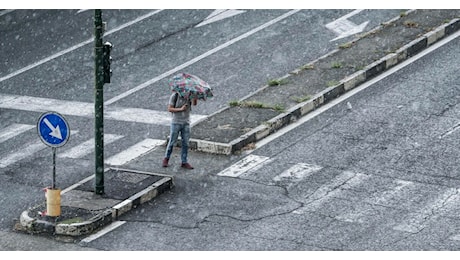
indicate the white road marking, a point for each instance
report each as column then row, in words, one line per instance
column 343, row 28
column 298, row 172
column 3, row 12
column 390, row 194
column 13, row 130
column 22, row 153
column 87, row 147
column 103, row 231
column 218, row 15
column 134, row 151
column 84, row 109
column 362, row 210
column 244, row 165
column 198, row 58
column 91, row 40
column 416, row 221
column 325, row 193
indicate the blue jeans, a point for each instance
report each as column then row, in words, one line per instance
column 184, row 130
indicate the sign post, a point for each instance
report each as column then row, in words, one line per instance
column 54, row 131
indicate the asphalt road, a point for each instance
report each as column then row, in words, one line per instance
column 366, row 178
column 377, row 171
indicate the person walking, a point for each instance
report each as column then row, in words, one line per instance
column 180, row 108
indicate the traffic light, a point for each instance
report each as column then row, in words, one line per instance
column 107, row 60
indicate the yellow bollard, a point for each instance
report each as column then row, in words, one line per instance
column 53, row 202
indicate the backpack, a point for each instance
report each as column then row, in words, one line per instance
column 176, row 97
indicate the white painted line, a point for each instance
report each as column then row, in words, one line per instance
column 37, row 104
column 56, row 55
column 87, row 147
column 22, row 153
column 325, row 193
column 298, row 172
column 103, row 231
column 146, row 116
column 198, row 58
column 352, row 92
column 343, row 28
column 361, row 210
column 3, row 12
column 218, row 15
column 134, row 151
column 247, row 163
column 84, row 109
column 416, row 221
column 13, row 130
column 387, row 195
column 77, row 184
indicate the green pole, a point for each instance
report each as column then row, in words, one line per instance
column 99, row 103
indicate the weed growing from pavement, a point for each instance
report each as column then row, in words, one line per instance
column 277, row 82
column 301, row 99
column 307, row 67
column 331, row 83
column 256, row 104
column 336, row 65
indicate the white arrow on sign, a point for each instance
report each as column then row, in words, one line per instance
column 343, row 28
column 55, row 131
column 218, row 15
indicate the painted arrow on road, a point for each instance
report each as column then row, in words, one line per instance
column 218, row 15
column 344, row 28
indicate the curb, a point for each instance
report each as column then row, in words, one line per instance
column 323, row 97
column 104, row 218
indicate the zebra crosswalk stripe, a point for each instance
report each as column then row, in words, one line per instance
column 22, row 153
column 345, row 180
column 134, row 151
column 86, row 109
column 87, row 147
column 416, row 221
column 13, row 130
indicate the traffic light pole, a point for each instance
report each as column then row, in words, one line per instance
column 99, row 103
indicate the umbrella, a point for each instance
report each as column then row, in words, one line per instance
column 190, row 86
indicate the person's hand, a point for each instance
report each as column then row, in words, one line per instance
column 184, row 107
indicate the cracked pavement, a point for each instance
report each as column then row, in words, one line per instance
column 381, row 175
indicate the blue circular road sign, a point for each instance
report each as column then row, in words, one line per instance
column 53, row 129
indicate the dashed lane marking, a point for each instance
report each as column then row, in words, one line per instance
column 298, row 172
column 244, row 165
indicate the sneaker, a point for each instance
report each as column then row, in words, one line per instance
column 187, row 166
column 165, row 162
